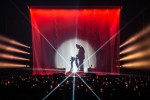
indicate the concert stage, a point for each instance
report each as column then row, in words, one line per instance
column 83, row 34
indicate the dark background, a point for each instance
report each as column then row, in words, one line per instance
column 14, row 16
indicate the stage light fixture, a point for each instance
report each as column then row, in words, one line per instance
column 8, row 56
column 2, row 38
column 12, row 49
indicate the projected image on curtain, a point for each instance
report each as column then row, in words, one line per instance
column 75, row 39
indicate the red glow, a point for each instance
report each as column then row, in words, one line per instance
column 96, row 26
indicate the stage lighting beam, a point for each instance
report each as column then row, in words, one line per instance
column 136, row 46
column 2, row 38
column 139, row 54
column 88, row 86
column 11, row 65
column 8, row 56
column 57, row 87
column 12, row 49
column 145, row 64
column 73, row 90
column 137, row 36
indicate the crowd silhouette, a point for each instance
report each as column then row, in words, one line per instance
column 108, row 87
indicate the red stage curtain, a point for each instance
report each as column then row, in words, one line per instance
column 96, row 26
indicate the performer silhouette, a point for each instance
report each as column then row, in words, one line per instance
column 72, row 60
column 79, row 58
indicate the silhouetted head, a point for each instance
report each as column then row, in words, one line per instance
column 78, row 46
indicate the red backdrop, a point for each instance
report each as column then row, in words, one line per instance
column 96, row 26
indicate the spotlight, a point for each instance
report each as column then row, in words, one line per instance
column 74, row 70
column 8, row 56
column 10, row 65
column 12, row 49
column 138, row 65
column 71, row 51
column 2, row 38
column 136, row 46
column 139, row 54
column 137, row 36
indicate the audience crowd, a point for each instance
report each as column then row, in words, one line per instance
column 104, row 87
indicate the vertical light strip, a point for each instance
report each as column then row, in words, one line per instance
column 89, row 87
column 73, row 90
column 56, row 87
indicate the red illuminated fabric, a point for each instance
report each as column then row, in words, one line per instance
column 96, row 26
